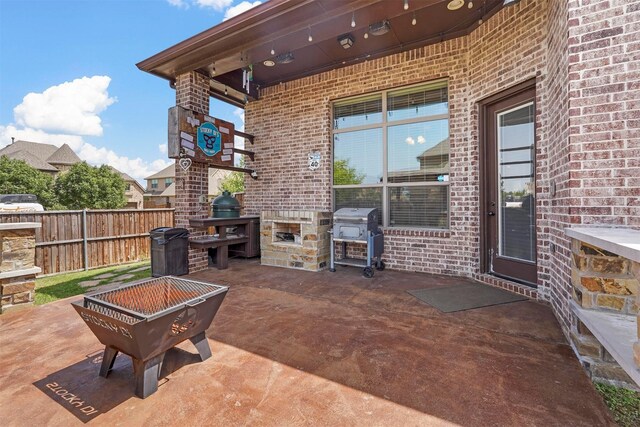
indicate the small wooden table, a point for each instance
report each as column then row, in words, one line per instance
column 221, row 242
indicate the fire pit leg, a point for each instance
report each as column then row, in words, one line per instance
column 146, row 375
column 108, row 357
column 202, row 345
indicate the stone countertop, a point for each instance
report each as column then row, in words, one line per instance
column 622, row 241
column 19, row 225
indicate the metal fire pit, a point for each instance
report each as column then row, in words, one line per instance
column 146, row 319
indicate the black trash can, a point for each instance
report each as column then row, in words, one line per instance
column 169, row 251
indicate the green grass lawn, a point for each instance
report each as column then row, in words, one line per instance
column 53, row 288
column 623, row 404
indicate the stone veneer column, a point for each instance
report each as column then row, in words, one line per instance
column 635, row 269
column 192, row 92
column 17, row 269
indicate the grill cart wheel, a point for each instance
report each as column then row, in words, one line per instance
column 333, row 270
column 380, row 265
column 367, row 272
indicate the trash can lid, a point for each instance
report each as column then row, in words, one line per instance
column 168, row 231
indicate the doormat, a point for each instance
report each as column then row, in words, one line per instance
column 449, row 299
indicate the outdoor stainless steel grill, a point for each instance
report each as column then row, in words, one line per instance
column 357, row 225
column 145, row 319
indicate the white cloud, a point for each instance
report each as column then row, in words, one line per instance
column 68, row 108
column 214, row 4
column 421, row 139
column 35, row 135
column 137, row 168
column 178, row 3
column 239, row 112
column 410, row 141
column 239, row 8
column 45, row 118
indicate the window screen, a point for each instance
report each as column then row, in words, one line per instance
column 394, row 155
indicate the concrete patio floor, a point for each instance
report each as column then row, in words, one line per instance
column 299, row 348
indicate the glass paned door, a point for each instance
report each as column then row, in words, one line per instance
column 516, row 233
column 509, row 187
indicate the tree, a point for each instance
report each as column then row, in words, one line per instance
column 343, row 174
column 17, row 177
column 233, row 183
column 90, row 187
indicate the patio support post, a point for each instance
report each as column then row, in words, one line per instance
column 192, row 92
column 85, row 249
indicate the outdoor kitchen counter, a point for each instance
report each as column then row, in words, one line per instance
column 221, row 241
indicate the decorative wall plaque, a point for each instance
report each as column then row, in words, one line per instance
column 199, row 137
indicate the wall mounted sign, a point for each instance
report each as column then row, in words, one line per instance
column 200, row 138
column 314, row 160
column 209, row 139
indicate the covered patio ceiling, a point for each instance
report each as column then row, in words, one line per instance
column 307, row 32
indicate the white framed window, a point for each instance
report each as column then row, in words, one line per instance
column 391, row 151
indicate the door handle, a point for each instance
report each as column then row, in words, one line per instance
column 491, row 213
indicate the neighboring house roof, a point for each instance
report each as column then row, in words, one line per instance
column 168, row 172
column 64, row 156
column 41, row 151
column 170, row 191
column 32, row 160
column 128, row 178
column 439, row 149
column 43, row 157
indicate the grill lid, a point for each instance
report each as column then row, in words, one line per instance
column 153, row 297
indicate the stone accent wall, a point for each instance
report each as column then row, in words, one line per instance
column 17, row 249
column 17, row 292
column 635, row 270
column 603, row 280
column 596, row 360
column 192, row 92
column 17, row 268
column 312, row 251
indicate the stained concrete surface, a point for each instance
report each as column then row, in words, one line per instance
column 300, row 348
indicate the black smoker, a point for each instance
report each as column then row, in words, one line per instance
column 146, row 319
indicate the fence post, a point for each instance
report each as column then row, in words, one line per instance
column 85, row 248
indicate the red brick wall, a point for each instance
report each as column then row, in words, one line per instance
column 555, row 142
column 192, row 92
column 604, row 103
column 584, row 57
column 293, row 118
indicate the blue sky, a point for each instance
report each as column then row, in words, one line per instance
column 68, row 74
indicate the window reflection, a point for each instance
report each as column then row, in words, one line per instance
column 357, row 157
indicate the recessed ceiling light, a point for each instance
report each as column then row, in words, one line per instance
column 269, row 63
column 455, row 4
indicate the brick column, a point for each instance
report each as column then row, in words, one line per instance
column 192, row 92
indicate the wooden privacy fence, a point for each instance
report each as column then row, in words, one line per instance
column 76, row 240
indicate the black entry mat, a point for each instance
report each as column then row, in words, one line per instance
column 465, row 297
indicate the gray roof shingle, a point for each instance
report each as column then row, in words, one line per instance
column 64, row 156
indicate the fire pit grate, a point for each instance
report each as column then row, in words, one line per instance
column 148, row 299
